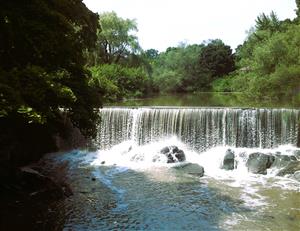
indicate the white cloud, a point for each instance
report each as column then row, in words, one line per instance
column 164, row 23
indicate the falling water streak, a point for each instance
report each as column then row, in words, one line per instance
column 200, row 128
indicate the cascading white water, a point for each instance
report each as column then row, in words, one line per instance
column 200, row 128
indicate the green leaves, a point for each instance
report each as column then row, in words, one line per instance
column 269, row 67
column 116, row 82
column 42, row 63
column 115, row 40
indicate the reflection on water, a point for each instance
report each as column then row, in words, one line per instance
column 211, row 99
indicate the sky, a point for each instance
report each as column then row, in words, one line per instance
column 167, row 23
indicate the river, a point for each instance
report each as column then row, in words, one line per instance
column 127, row 183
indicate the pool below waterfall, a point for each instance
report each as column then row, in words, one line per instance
column 166, row 168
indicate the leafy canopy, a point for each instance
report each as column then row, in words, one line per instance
column 41, row 61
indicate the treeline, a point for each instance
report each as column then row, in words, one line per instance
column 121, row 69
column 268, row 63
column 265, row 66
column 190, row 68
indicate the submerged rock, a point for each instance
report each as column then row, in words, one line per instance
column 173, row 153
column 290, row 169
column 258, row 163
column 192, row 169
column 228, row 161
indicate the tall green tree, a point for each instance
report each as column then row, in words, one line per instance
column 115, row 40
column 217, row 58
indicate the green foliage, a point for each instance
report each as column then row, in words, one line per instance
column 270, row 65
column 217, row 58
column 116, row 82
column 115, row 40
column 193, row 67
column 42, row 63
column 298, row 8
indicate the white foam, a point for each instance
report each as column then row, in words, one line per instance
column 148, row 157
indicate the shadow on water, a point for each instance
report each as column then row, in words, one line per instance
column 113, row 198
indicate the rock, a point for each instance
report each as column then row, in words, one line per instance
column 258, row 163
column 165, row 150
column 296, row 176
column 282, row 161
column 173, row 153
column 39, row 185
column 192, row 169
column 296, row 153
column 290, row 169
column 228, row 161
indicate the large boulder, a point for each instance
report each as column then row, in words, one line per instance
column 258, row 163
column 281, row 161
column 173, row 154
column 38, row 185
column 228, row 161
column 290, row 169
column 192, row 169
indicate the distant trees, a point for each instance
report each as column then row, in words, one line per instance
column 115, row 40
column 192, row 67
column 119, row 67
column 268, row 62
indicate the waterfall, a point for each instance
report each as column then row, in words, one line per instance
column 200, row 128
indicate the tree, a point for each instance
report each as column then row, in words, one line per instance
column 217, row 58
column 151, row 54
column 116, row 40
column 265, row 22
column 42, row 64
column 298, row 8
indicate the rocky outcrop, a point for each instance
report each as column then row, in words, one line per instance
column 173, row 154
column 281, row 161
column 258, row 163
column 36, row 184
column 192, row 169
column 290, row 169
column 296, row 153
column 228, row 161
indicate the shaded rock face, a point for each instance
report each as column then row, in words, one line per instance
column 192, row 169
column 281, row 161
column 173, row 153
column 228, row 161
column 38, row 185
column 290, row 169
column 258, row 163
column 296, row 153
